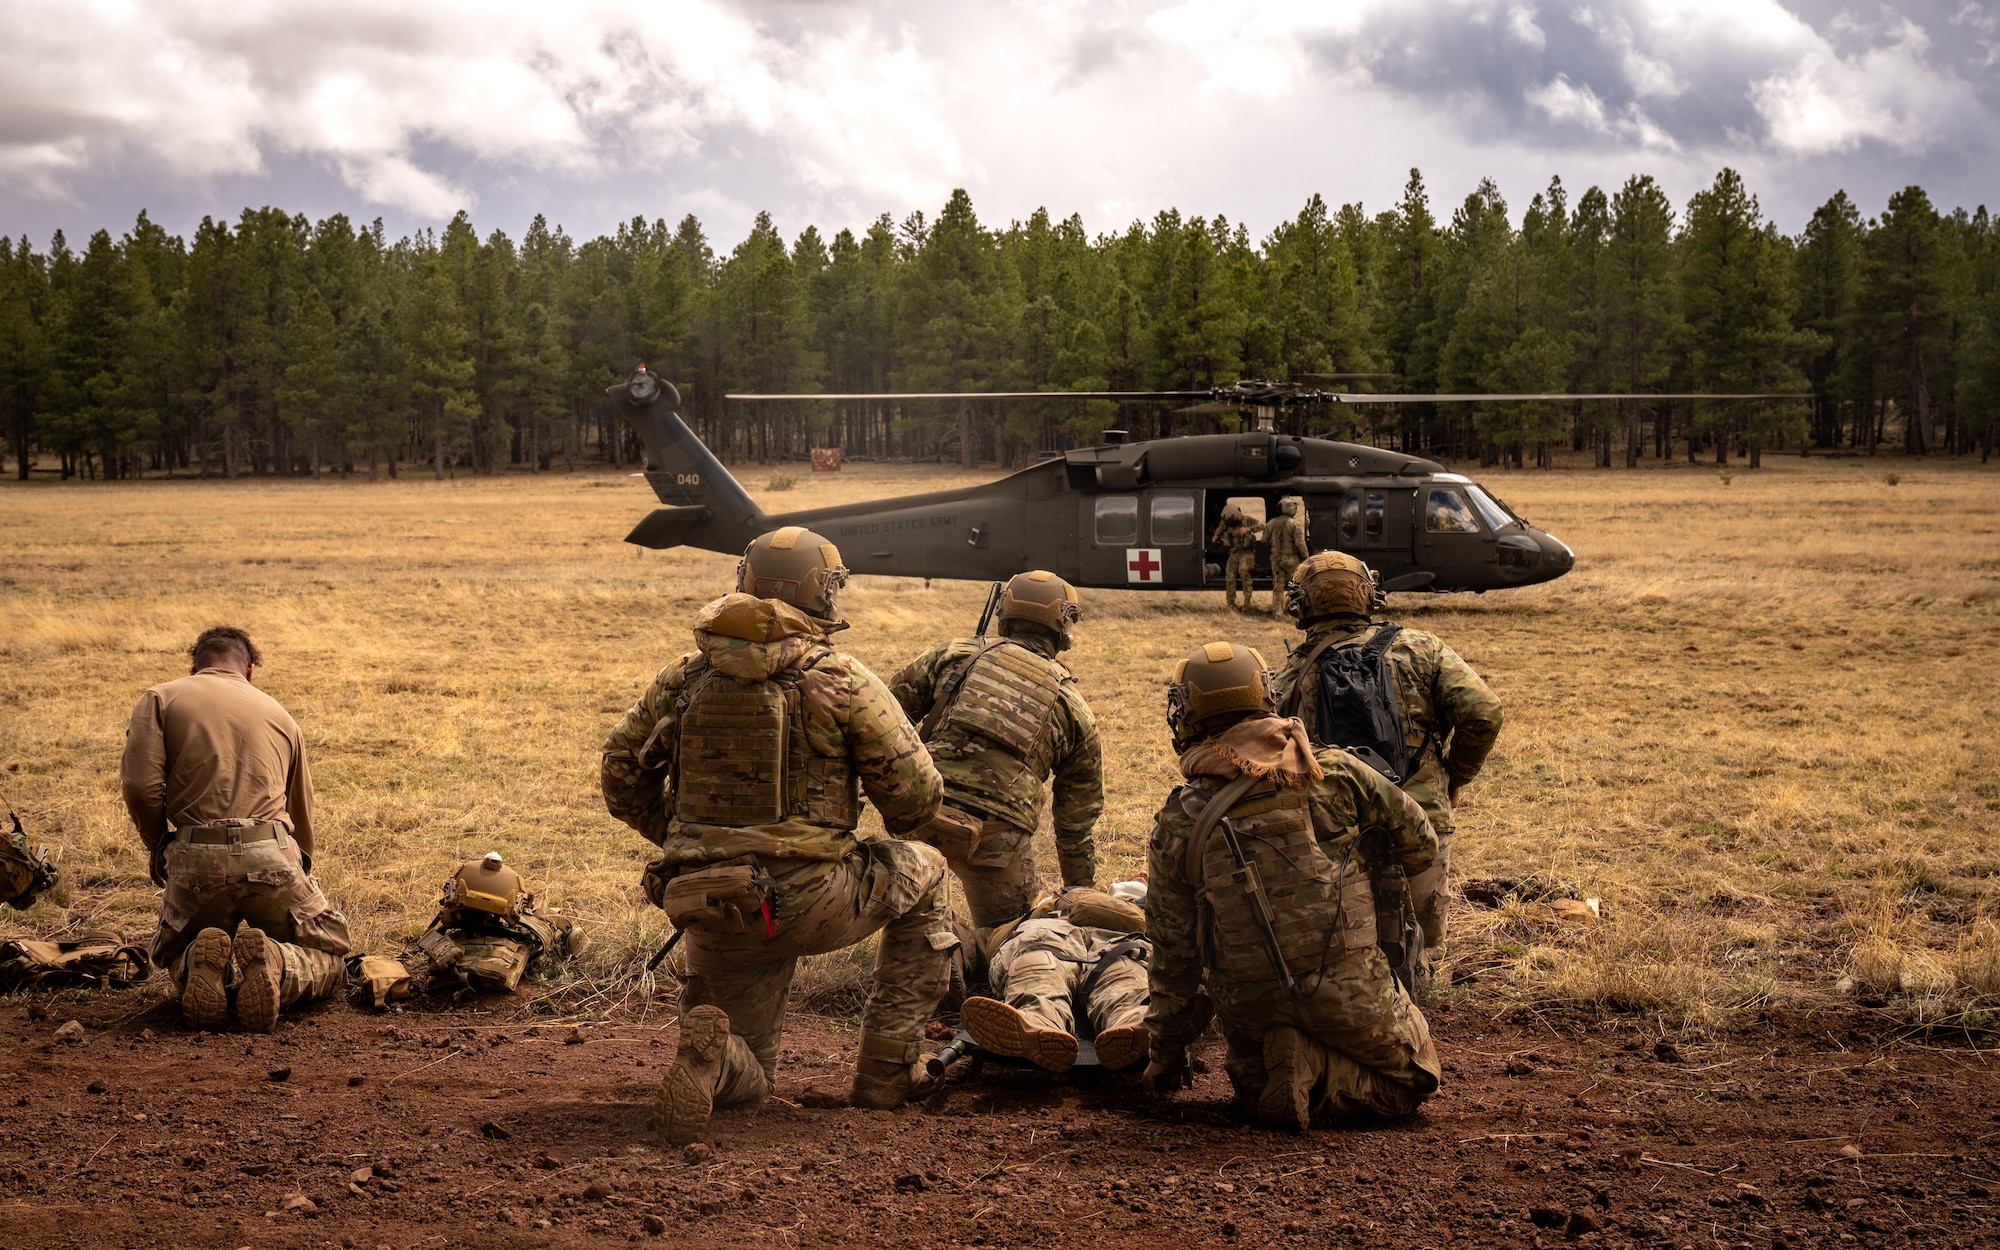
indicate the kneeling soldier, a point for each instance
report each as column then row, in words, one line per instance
column 1258, row 880
column 741, row 762
column 215, row 777
column 487, row 931
column 1075, row 967
column 1001, row 716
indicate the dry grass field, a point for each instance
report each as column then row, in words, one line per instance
column 1758, row 721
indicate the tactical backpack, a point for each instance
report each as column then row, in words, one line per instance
column 25, row 871
column 1357, row 707
column 99, row 960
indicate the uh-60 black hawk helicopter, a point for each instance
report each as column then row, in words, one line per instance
column 1129, row 515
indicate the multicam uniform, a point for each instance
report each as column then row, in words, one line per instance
column 1373, row 1044
column 1016, row 719
column 1441, row 696
column 747, row 752
column 25, row 870
column 1076, row 967
column 214, row 775
column 1239, row 534
column 1285, row 534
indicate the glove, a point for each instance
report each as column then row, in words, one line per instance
column 1165, row 1078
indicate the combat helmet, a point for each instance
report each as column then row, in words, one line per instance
column 1216, row 679
column 1290, row 505
column 1332, row 584
column 795, row 566
column 486, row 885
column 1043, row 599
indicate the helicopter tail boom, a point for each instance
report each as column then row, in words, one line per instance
column 705, row 506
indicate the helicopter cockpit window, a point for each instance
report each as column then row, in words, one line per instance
column 1350, row 521
column 1446, row 513
column 1173, row 520
column 1489, row 507
column 1118, row 521
column 1372, row 525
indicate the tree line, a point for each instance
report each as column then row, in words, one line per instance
column 279, row 345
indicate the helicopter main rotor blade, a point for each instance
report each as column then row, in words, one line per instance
column 1515, row 399
column 794, row 399
column 1346, row 375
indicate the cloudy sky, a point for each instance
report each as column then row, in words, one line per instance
column 836, row 111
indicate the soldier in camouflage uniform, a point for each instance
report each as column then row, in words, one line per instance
column 214, row 776
column 1317, row 1027
column 741, row 762
column 488, row 930
column 1285, row 534
column 1078, row 959
column 1001, row 716
column 1450, row 715
column 1239, row 534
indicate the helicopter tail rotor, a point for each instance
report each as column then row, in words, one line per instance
column 705, row 506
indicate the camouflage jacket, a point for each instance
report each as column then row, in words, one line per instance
column 849, row 716
column 988, row 777
column 1350, row 797
column 1287, row 538
column 1436, row 687
column 1240, row 537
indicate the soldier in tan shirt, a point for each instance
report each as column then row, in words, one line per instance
column 215, row 778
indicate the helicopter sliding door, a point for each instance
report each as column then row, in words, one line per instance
column 1143, row 540
column 1375, row 524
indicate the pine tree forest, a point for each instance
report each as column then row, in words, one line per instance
column 279, row 345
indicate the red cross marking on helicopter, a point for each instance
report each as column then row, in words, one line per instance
column 1144, row 563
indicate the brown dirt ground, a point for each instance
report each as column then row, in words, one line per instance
column 479, row 1127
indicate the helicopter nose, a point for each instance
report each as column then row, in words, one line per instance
column 1557, row 558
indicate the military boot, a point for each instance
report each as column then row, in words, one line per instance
column 887, row 1074
column 1123, row 1046
column 713, row 1066
column 1005, row 1031
column 1295, row 1065
column 205, row 997
column 259, row 992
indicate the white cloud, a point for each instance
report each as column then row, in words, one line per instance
column 1890, row 94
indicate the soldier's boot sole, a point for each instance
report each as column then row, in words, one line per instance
column 205, row 998
column 1122, row 1047
column 1293, row 1066
column 263, row 969
column 1005, row 1031
column 687, row 1095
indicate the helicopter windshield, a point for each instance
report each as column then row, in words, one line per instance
column 1493, row 510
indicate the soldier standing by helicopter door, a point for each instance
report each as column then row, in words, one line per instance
column 741, row 761
column 1001, row 716
column 1285, row 534
column 1239, row 534
column 1448, row 716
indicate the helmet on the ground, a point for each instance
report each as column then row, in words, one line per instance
column 1332, row 584
column 796, row 566
column 1041, row 598
column 486, row 884
column 1217, row 679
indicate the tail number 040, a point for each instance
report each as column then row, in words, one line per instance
column 687, row 479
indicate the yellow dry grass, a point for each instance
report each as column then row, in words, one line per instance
column 1758, row 720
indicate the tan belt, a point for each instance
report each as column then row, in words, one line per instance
column 223, row 832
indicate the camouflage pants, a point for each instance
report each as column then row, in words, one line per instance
column 1239, row 574
column 218, row 886
column 1281, row 572
column 1380, row 1060
column 999, row 877
column 890, row 887
column 1039, row 970
column 1428, row 894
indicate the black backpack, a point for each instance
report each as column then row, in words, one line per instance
column 1358, row 708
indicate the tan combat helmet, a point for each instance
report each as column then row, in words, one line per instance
column 1329, row 585
column 1041, row 598
column 1218, row 679
column 1290, row 505
column 485, row 884
column 796, row 566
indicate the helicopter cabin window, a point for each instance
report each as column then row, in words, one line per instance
column 1350, row 521
column 1489, row 507
column 1118, row 521
column 1173, row 520
column 1446, row 513
column 1371, row 521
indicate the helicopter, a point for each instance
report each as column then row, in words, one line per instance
column 1125, row 514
